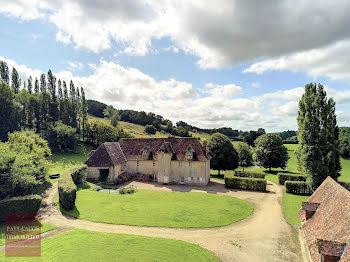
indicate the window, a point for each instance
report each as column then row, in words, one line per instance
column 191, row 178
column 154, row 163
column 190, row 164
column 199, row 179
column 137, row 163
column 188, row 153
column 180, row 164
column 123, row 167
column 182, row 180
column 144, row 153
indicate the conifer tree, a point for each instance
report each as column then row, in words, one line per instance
column 4, row 72
column 36, row 86
column 30, row 84
column 42, row 83
column 84, row 111
column 318, row 152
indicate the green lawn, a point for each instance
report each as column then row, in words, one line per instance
column 160, row 208
column 61, row 161
column 44, row 228
column 345, row 172
column 291, row 205
column 81, row 245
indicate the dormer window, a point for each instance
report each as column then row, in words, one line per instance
column 144, row 153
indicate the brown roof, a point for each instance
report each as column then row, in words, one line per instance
column 329, row 228
column 107, row 154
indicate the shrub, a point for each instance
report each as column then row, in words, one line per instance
column 345, row 184
column 79, row 174
column 29, row 204
column 245, row 183
column 127, row 190
column 298, row 188
column 124, row 177
column 249, row 174
column 282, row 178
column 67, row 191
column 150, row 129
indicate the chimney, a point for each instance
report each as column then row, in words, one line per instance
column 309, row 209
column 330, row 251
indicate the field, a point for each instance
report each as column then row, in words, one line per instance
column 291, row 204
column 96, row 246
column 160, row 208
column 44, row 228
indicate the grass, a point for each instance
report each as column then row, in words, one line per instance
column 160, row 209
column 345, row 172
column 44, row 228
column 81, row 245
column 291, row 205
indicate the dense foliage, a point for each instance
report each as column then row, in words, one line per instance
column 270, row 152
column 150, row 129
column 245, row 155
column 285, row 135
column 246, row 183
column 318, row 152
column 344, row 142
column 223, row 155
column 23, row 163
column 29, row 204
column 96, row 108
column 283, row 177
column 298, row 188
column 250, row 174
column 79, row 174
column 61, row 137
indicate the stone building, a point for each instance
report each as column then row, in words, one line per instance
column 165, row 160
column 326, row 223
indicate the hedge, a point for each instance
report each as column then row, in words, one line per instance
column 79, row 174
column 282, row 178
column 298, row 188
column 345, row 184
column 29, row 204
column 67, row 191
column 249, row 174
column 245, row 183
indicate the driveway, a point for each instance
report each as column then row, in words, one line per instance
column 263, row 236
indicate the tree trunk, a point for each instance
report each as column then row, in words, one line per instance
column 218, row 172
column 270, row 169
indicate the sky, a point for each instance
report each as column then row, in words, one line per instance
column 240, row 64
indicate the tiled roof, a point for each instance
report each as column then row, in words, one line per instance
column 329, row 228
column 133, row 147
column 108, row 154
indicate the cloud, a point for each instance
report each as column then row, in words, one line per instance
column 216, row 105
column 256, row 85
column 75, row 65
column 221, row 33
column 331, row 61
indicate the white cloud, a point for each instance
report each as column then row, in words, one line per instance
column 256, row 85
column 331, row 61
column 221, row 33
column 75, row 65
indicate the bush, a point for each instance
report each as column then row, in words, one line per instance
column 282, row 178
column 249, row 174
column 298, row 188
column 29, row 204
column 127, row 190
column 150, row 129
column 79, row 174
column 345, row 184
column 245, row 183
column 67, row 191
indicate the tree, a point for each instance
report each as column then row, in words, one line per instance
column 115, row 118
column 150, row 129
column 36, row 86
column 84, row 113
column 42, row 83
column 9, row 113
column 245, row 155
column 4, row 72
column 318, row 151
column 15, row 80
column 251, row 136
column 61, row 137
column 30, row 84
column 223, row 155
column 270, row 152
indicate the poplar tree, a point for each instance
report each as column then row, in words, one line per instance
column 72, row 105
column 36, row 86
column 4, row 72
column 318, row 152
column 42, row 83
column 16, row 81
column 30, row 84
column 84, row 111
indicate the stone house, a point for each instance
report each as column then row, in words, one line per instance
column 165, row 160
column 326, row 223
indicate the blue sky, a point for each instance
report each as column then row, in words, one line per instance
column 208, row 66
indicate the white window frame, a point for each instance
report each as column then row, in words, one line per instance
column 182, row 180
column 137, row 163
column 144, row 153
column 154, row 163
